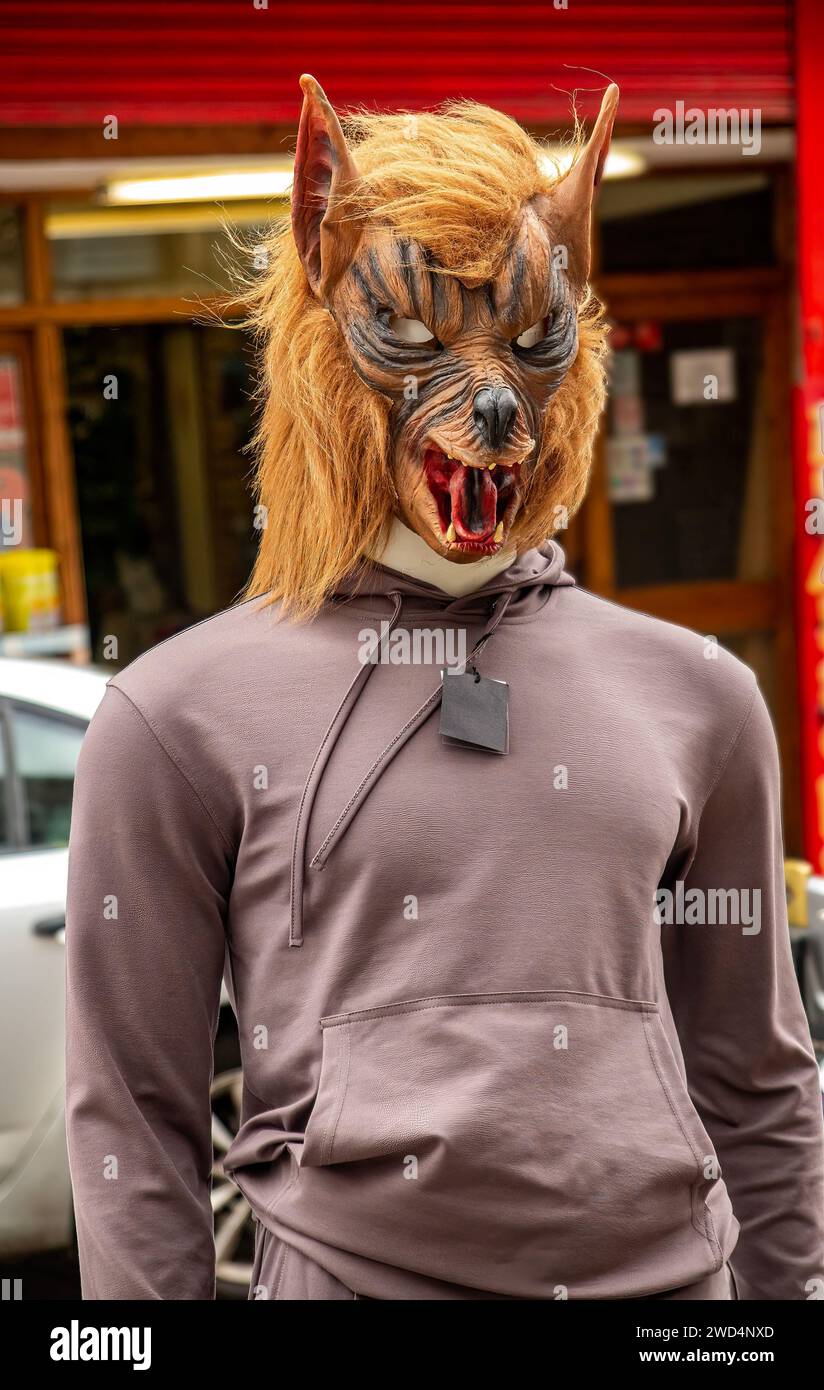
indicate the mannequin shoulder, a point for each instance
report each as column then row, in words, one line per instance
column 648, row 660
column 208, row 671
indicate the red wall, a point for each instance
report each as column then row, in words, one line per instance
column 809, row 419
column 72, row 62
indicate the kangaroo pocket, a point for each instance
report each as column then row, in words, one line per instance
column 536, row 1144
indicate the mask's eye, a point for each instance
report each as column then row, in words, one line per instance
column 410, row 330
column 534, row 335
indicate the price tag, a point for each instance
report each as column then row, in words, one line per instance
column 475, row 711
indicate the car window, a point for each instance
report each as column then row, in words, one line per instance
column 4, row 794
column 45, row 755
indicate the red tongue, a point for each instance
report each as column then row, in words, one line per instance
column 474, row 502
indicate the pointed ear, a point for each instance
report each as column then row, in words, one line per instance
column 324, row 171
column 567, row 209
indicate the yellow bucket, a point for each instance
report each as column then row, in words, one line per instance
column 30, row 590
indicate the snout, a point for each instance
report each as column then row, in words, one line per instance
column 464, row 479
column 494, row 412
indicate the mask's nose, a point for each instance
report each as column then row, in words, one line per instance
column 493, row 411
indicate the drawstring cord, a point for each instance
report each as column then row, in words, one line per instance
column 378, row 767
column 316, row 771
column 403, row 735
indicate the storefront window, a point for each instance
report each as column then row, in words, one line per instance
column 162, row 477
column 116, row 253
column 681, row 222
column 687, row 467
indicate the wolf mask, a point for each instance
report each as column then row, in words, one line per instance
column 432, row 349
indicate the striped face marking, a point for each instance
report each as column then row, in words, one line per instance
column 469, row 372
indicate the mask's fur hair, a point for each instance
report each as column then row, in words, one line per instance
column 455, row 181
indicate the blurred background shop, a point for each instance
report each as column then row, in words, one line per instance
column 137, row 141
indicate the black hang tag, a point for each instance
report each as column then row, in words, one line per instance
column 475, row 711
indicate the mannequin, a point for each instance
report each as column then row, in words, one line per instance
column 478, row 1062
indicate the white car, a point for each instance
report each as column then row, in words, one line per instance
column 45, row 707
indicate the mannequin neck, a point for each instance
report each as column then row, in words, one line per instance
column 405, row 552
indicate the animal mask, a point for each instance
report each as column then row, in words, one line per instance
column 432, row 348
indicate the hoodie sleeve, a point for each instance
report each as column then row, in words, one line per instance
column 148, row 884
column 737, row 1008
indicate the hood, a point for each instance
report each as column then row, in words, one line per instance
column 522, row 588
column 528, row 579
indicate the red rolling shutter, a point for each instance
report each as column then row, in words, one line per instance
column 71, row 62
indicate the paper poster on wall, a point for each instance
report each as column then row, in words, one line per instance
column 625, row 374
column 11, row 417
column 656, row 450
column 629, row 476
column 628, row 415
column 700, row 376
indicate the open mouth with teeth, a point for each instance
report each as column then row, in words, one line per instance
column 475, row 505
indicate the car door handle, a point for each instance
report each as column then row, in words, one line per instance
column 55, row 927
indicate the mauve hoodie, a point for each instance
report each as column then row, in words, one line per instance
column 476, row 1063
